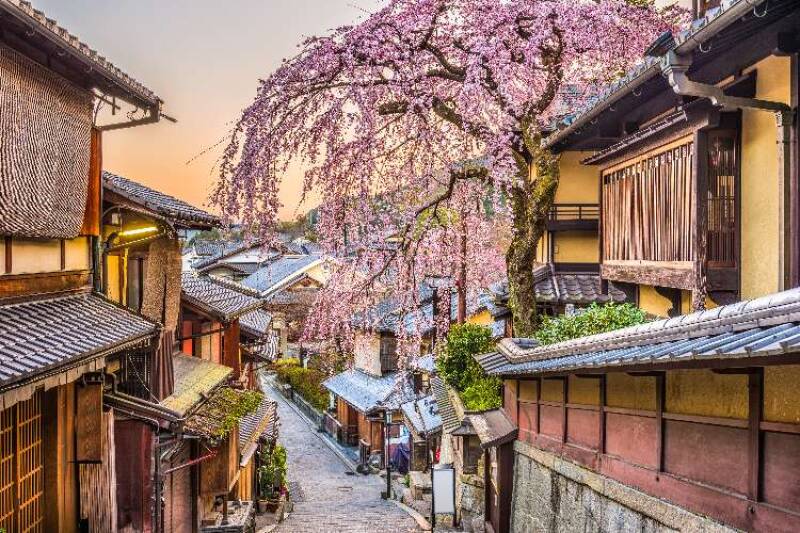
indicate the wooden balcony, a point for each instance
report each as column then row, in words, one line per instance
column 573, row 217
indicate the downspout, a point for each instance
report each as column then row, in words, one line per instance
column 674, row 67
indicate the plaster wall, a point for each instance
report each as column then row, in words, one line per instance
column 484, row 318
column 34, row 256
column 653, row 303
column 578, row 184
column 576, row 247
column 760, row 183
column 367, row 353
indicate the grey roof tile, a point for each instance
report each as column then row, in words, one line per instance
column 41, row 335
column 761, row 327
column 69, row 43
column 219, row 297
column 364, row 392
column 278, row 271
column 423, row 415
column 448, row 413
column 173, row 209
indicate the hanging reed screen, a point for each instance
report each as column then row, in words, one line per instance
column 21, row 475
column 647, row 206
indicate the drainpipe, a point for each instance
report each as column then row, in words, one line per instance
column 675, row 66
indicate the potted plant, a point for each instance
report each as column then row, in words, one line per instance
column 271, row 478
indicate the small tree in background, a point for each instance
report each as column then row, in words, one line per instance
column 456, row 364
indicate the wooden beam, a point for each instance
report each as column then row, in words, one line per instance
column 756, row 402
column 564, row 411
column 660, row 400
column 62, row 248
column 601, row 418
column 8, row 255
column 659, row 274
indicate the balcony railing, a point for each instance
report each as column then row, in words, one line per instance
column 570, row 217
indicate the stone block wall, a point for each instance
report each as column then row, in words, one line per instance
column 554, row 495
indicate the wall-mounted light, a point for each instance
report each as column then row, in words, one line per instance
column 138, row 231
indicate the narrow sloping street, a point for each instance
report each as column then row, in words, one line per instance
column 327, row 497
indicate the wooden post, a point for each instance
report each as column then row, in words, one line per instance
column 756, row 396
column 660, row 400
column 565, row 391
column 601, row 415
column 700, row 227
column 8, row 255
column 231, row 347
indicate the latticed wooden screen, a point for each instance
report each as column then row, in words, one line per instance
column 21, row 467
column 647, row 206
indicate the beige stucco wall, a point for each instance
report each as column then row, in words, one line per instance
column 484, row 318
column 760, row 184
column 76, row 254
column 576, row 247
column 319, row 272
column 30, row 256
column 578, row 184
column 653, row 303
column 366, row 353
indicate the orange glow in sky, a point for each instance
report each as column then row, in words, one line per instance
column 204, row 59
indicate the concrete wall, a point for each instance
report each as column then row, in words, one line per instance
column 554, row 495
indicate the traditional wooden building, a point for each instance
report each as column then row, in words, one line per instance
column 682, row 423
column 61, row 338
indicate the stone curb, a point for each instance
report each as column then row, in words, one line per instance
column 422, row 522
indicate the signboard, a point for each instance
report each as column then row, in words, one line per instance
column 444, row 490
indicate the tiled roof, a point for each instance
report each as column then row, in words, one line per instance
column 256, row 323
column 218, row 297
column 175, row 210
column 554, row 287
column 49, row 29
column 426, row 363
column 447, row 412
column 278, row 271
column 211, row 419
column 755, row 328
column 42, row 335
column 364, row 392
column 699, row 32
column 195, row 378
column 261, row 422
column 492, row 427
column 231, row 249
column 213, row 248
column 423, row 415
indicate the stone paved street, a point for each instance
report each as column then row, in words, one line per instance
column 326, row 497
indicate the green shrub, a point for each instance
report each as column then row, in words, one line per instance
column 594, row 319
column 457, row 366
column 272, row 472
column 306, row 381
column 483, row 394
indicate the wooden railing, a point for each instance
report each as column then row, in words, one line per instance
column 562, row 212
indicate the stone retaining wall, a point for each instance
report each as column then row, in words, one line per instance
column 555, row 495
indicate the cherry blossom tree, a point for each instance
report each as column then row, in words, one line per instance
column 420, row 129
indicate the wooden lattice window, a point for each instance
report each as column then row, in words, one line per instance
column 388, row 354
column 21, row 467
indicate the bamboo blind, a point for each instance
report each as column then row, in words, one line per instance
column 648, row 206
column 98, row 484
column 45, row 145
column 21, row 467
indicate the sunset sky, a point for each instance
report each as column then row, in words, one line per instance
column 204, row 59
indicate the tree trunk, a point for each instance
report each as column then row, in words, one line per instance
column 461, row 315
column 531, row 201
